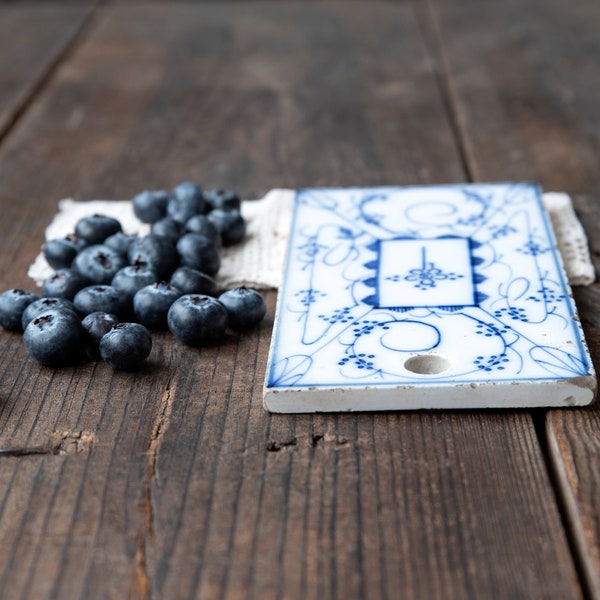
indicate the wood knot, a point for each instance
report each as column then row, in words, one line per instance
column 72, row 442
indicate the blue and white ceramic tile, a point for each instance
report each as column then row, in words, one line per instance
column 425, row 297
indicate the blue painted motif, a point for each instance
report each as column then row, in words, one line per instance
column 428, row 275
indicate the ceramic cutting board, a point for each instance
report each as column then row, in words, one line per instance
column 399, row 298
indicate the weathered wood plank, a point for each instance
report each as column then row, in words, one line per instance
column 523, row 81
column 183, row 486
column 33, row 40
column 524, row 84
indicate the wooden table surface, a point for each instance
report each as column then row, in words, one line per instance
column 173, row 482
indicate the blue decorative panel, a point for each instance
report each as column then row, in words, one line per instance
column 424, row 297
column 431, row 272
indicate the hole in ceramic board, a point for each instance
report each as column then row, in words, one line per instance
column 427, row 364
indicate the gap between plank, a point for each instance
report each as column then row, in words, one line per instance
column 567, row 507
column 44, row 80
column 430, row 33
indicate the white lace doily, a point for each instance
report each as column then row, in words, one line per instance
column 258, row 261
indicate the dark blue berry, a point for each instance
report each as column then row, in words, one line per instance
column 197, row 320
column 120, row 242
column 150, row 206
column 133, row 278
column 201, row 224
column 224, row 199
column 156, row 252
column 12, row 304
column 64, row 283
column 42, row 305
column 96, row 228
column 104, row 298
column 97, row 324
column 99, row 263
column 230, row 224
column 191, row 281
column 126, row 345
column 60, row 253
column 56, row 338
column 151, row 304
column 185, row 201
column 246, row 308
column 198, row 252
column 168, row 227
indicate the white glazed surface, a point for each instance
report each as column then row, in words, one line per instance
column 425, row 297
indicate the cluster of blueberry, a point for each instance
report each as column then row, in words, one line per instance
column 109, row 289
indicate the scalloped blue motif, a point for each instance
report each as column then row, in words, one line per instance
column 376, row 276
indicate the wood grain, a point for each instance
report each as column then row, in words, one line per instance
column 173, row 482
column 34, row 38
column 523, row 83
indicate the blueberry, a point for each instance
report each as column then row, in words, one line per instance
column 97, row 324
column 230, row 224
column 156, row 252
column 60, row 253
column 151, row 304
column 12, row 304
column 246, row 308
column 120, row 242
column 104, row 298
column 168, row 227
column 198, row 252
column 133, row 278
column 191, row 281
column 126, row 345
column 150, row 206
column 224, row 199
column 185, row 201
column 201, row 224
column 96, row 228
column 56, row 338
column 197, row 320
column 64, row 283
column 98, row 263
column 42, row 305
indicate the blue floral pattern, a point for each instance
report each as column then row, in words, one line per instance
column 377, row 276
column 427, row 275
